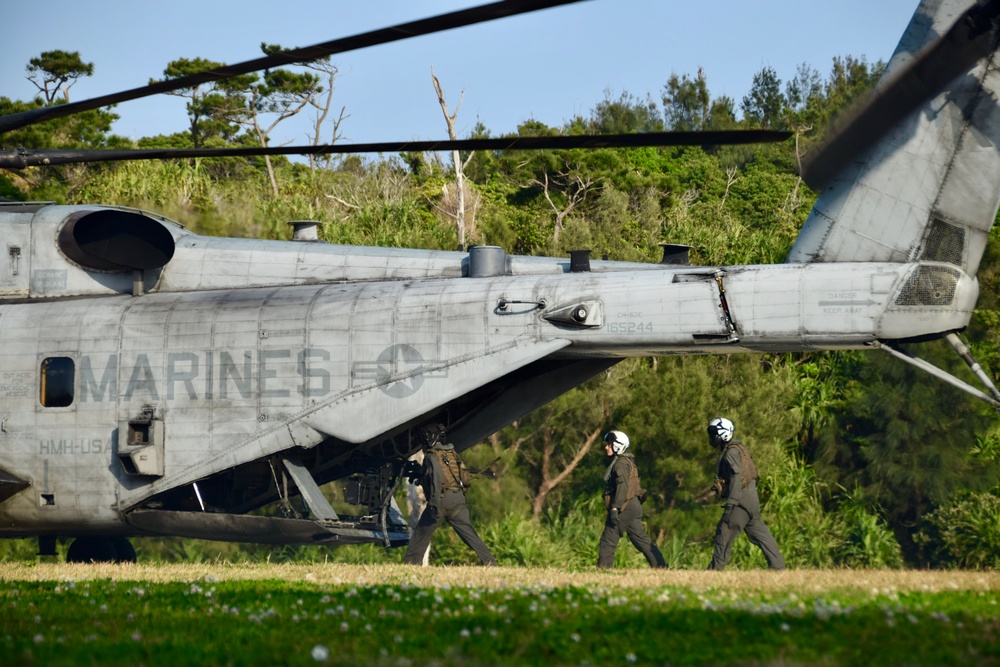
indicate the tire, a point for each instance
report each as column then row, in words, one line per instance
column 92, row 549
column 124, row 550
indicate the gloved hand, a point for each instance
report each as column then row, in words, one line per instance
column 412, row 471
column 612, row 520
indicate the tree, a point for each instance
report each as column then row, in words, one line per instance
column 328, row 69
column 572, row 188
column 686, row 102
column 54, row 69
column 457, row 210
column 625, row 115
column 803, row 92
column 280, row 93
column 211, row 108
column 764, row 105
column 850, row 78
column 907, row 441
column 722, row 114
column 89, row 129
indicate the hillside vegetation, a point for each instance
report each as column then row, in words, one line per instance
column 865, row 462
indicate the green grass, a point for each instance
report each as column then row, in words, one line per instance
column 394, row 615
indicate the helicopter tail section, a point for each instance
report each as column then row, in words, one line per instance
column 927, row 190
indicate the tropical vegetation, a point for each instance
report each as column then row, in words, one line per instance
column 865, row 461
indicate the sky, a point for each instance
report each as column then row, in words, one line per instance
column 549, row 66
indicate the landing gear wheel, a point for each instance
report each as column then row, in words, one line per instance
column 92, row 549
column 124, row 549
column 100, row 549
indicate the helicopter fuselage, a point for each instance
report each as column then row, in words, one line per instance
column 167, row 388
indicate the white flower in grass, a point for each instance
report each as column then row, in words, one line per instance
column 320, row 653
column 630, row 658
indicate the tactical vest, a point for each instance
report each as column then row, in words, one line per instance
column 454, row 475
column 748, row 471
column 634, row 487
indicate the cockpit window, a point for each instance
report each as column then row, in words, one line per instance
column 58, row 374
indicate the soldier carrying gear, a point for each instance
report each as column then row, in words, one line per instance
column 445, row 479
column 623, row 497
column 736, row 481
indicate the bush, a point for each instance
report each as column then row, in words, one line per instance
column 868, row 540
column 963, row 534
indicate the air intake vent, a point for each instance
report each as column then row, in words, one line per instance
column 929, row 286
column 945, row 243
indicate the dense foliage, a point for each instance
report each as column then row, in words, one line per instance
column 865, row 462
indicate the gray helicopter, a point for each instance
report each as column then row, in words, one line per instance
column 160, row 383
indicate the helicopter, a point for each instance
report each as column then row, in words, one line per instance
column 156, row 382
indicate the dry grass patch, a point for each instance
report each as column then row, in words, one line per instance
column 805, row 581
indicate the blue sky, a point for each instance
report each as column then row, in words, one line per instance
column 549, row 66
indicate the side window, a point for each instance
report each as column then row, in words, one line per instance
column 58, row 374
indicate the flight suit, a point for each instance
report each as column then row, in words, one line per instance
column 445, row 479
column 742, row 512
column 621, row 492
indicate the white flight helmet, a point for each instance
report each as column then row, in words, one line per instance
column 619, row 441
column 721, row 429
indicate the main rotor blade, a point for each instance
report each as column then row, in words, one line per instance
column 971, row 38
column 21, row 158
column 458, row 19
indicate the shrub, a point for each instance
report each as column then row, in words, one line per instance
column 963, row 534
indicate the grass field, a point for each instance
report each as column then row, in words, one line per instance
column 225, row 614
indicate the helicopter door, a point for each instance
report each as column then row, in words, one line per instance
column 14, row 253
column 722, row 329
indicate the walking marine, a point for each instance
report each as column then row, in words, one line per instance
column 445, row 480
column 623, row 496
column 736, row 482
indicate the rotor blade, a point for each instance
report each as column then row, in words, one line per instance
column 458, row 19
column 21, row 158
column 971, row 38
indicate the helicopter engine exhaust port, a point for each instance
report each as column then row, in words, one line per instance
column 114, row 240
